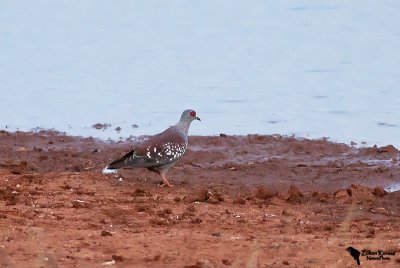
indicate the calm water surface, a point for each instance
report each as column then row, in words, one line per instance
column 310, row 68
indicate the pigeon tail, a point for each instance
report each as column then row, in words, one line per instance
column 127, row 160
column 117, row 164
column 108, row 170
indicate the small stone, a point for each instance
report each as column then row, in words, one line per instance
column 108, row 263
column 79, row 204
column 201, row 196
column 226, row 262
column 117, row 257
column 197, row 221
column 286, row 213
column 105, row 233
column 295, row 196
column 101, row 126
column 379, row 191
column 191, row 208
column 264, row 193
column 341, row 194
column 380, row 210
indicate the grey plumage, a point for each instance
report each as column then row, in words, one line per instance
column 160, row 152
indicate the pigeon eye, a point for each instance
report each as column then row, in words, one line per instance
column 193, row 113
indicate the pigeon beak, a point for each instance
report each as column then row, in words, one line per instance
column 197, row 118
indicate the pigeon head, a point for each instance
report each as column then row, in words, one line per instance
column 188, row 116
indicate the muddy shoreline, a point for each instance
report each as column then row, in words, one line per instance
column 255, row 201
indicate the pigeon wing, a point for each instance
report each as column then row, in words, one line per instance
column 161, row 149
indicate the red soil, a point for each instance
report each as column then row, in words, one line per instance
column 238, row 201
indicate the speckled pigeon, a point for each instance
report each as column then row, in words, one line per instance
column 160, row 152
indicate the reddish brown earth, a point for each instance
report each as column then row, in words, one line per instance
column 238, row 201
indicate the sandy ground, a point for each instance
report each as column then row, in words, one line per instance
column 238, row 201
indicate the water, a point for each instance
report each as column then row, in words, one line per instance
column 310, row 68
column 394, row 187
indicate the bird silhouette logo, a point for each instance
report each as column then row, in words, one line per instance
column 355, row 254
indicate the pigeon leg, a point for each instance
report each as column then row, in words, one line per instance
column 166, row 182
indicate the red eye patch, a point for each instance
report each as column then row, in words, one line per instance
column 193, row 113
